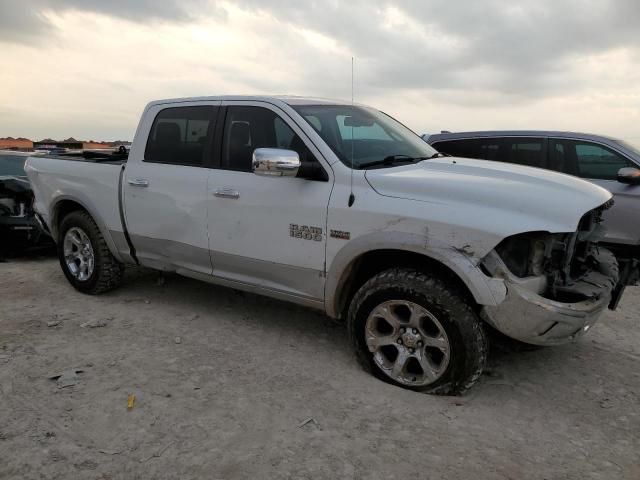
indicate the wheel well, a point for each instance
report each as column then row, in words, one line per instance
column 371, row 263
column 61, row 210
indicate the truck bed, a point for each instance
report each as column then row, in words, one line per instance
column 91, row 181
column 79, row 158
column 117, row 157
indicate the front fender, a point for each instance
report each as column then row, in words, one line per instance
column 485, row 290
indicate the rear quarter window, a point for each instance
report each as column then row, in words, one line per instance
column 458, row 148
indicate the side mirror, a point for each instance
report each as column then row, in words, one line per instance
column 275, row 162
column 629, row 175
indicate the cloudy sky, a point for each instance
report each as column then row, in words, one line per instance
column 86, row 68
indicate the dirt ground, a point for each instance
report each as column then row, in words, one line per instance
column 230, row 385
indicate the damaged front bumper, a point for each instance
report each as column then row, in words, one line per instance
column 526, row 315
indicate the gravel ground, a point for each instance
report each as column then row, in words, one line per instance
column 226, row 383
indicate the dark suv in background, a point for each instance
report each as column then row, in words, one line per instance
column 610, row 163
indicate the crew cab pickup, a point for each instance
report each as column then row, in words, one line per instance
column 341, row 208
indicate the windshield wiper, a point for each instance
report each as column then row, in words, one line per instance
column 439, row 154
column 392, row 160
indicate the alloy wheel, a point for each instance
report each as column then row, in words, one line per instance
column 408, row 343
column 78, row 254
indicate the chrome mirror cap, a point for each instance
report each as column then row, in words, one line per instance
column 275, row 162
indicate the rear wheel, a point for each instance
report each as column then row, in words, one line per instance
column 84, row 256
column 417, row 331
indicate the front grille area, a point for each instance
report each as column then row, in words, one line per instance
column 570, row 261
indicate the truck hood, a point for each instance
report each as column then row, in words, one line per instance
column 512, row 198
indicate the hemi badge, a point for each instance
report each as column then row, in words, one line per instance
column 340, row 234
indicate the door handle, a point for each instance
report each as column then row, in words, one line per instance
column 138, row 182
column 227, row 193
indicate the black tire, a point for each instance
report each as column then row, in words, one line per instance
column 466, row 337
column 107, row 272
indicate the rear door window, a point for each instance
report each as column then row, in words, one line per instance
column 489, row 149
column 525, row 151
column 180, row 135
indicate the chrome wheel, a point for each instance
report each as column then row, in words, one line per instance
column 78, row 254
column 408, row 343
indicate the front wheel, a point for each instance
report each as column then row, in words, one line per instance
column 417, row 331
column 85, row 257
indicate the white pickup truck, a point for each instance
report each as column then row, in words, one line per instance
column 341, row 208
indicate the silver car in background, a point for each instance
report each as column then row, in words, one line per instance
column 608, row 162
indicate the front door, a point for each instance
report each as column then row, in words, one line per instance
column 165, row 192
column 268, row 232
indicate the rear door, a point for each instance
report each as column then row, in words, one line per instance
column 268, row 232
column 600, row 164
column 165, row 190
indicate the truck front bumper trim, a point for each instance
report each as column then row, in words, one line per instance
column 527, row 316
column 530, row 318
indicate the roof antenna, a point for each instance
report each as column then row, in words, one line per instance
column 352, row 197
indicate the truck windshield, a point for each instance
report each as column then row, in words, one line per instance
column 12, row 165
column 364, row 136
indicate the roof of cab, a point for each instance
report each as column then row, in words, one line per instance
column 286, row 99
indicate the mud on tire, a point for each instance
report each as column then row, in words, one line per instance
column 107, row 271
column 448, row 315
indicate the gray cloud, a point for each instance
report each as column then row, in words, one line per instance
column 520, row 49
column 24, row 22
column 20, row 24
column 136, row 10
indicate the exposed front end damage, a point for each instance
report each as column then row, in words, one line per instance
column 558, row 285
